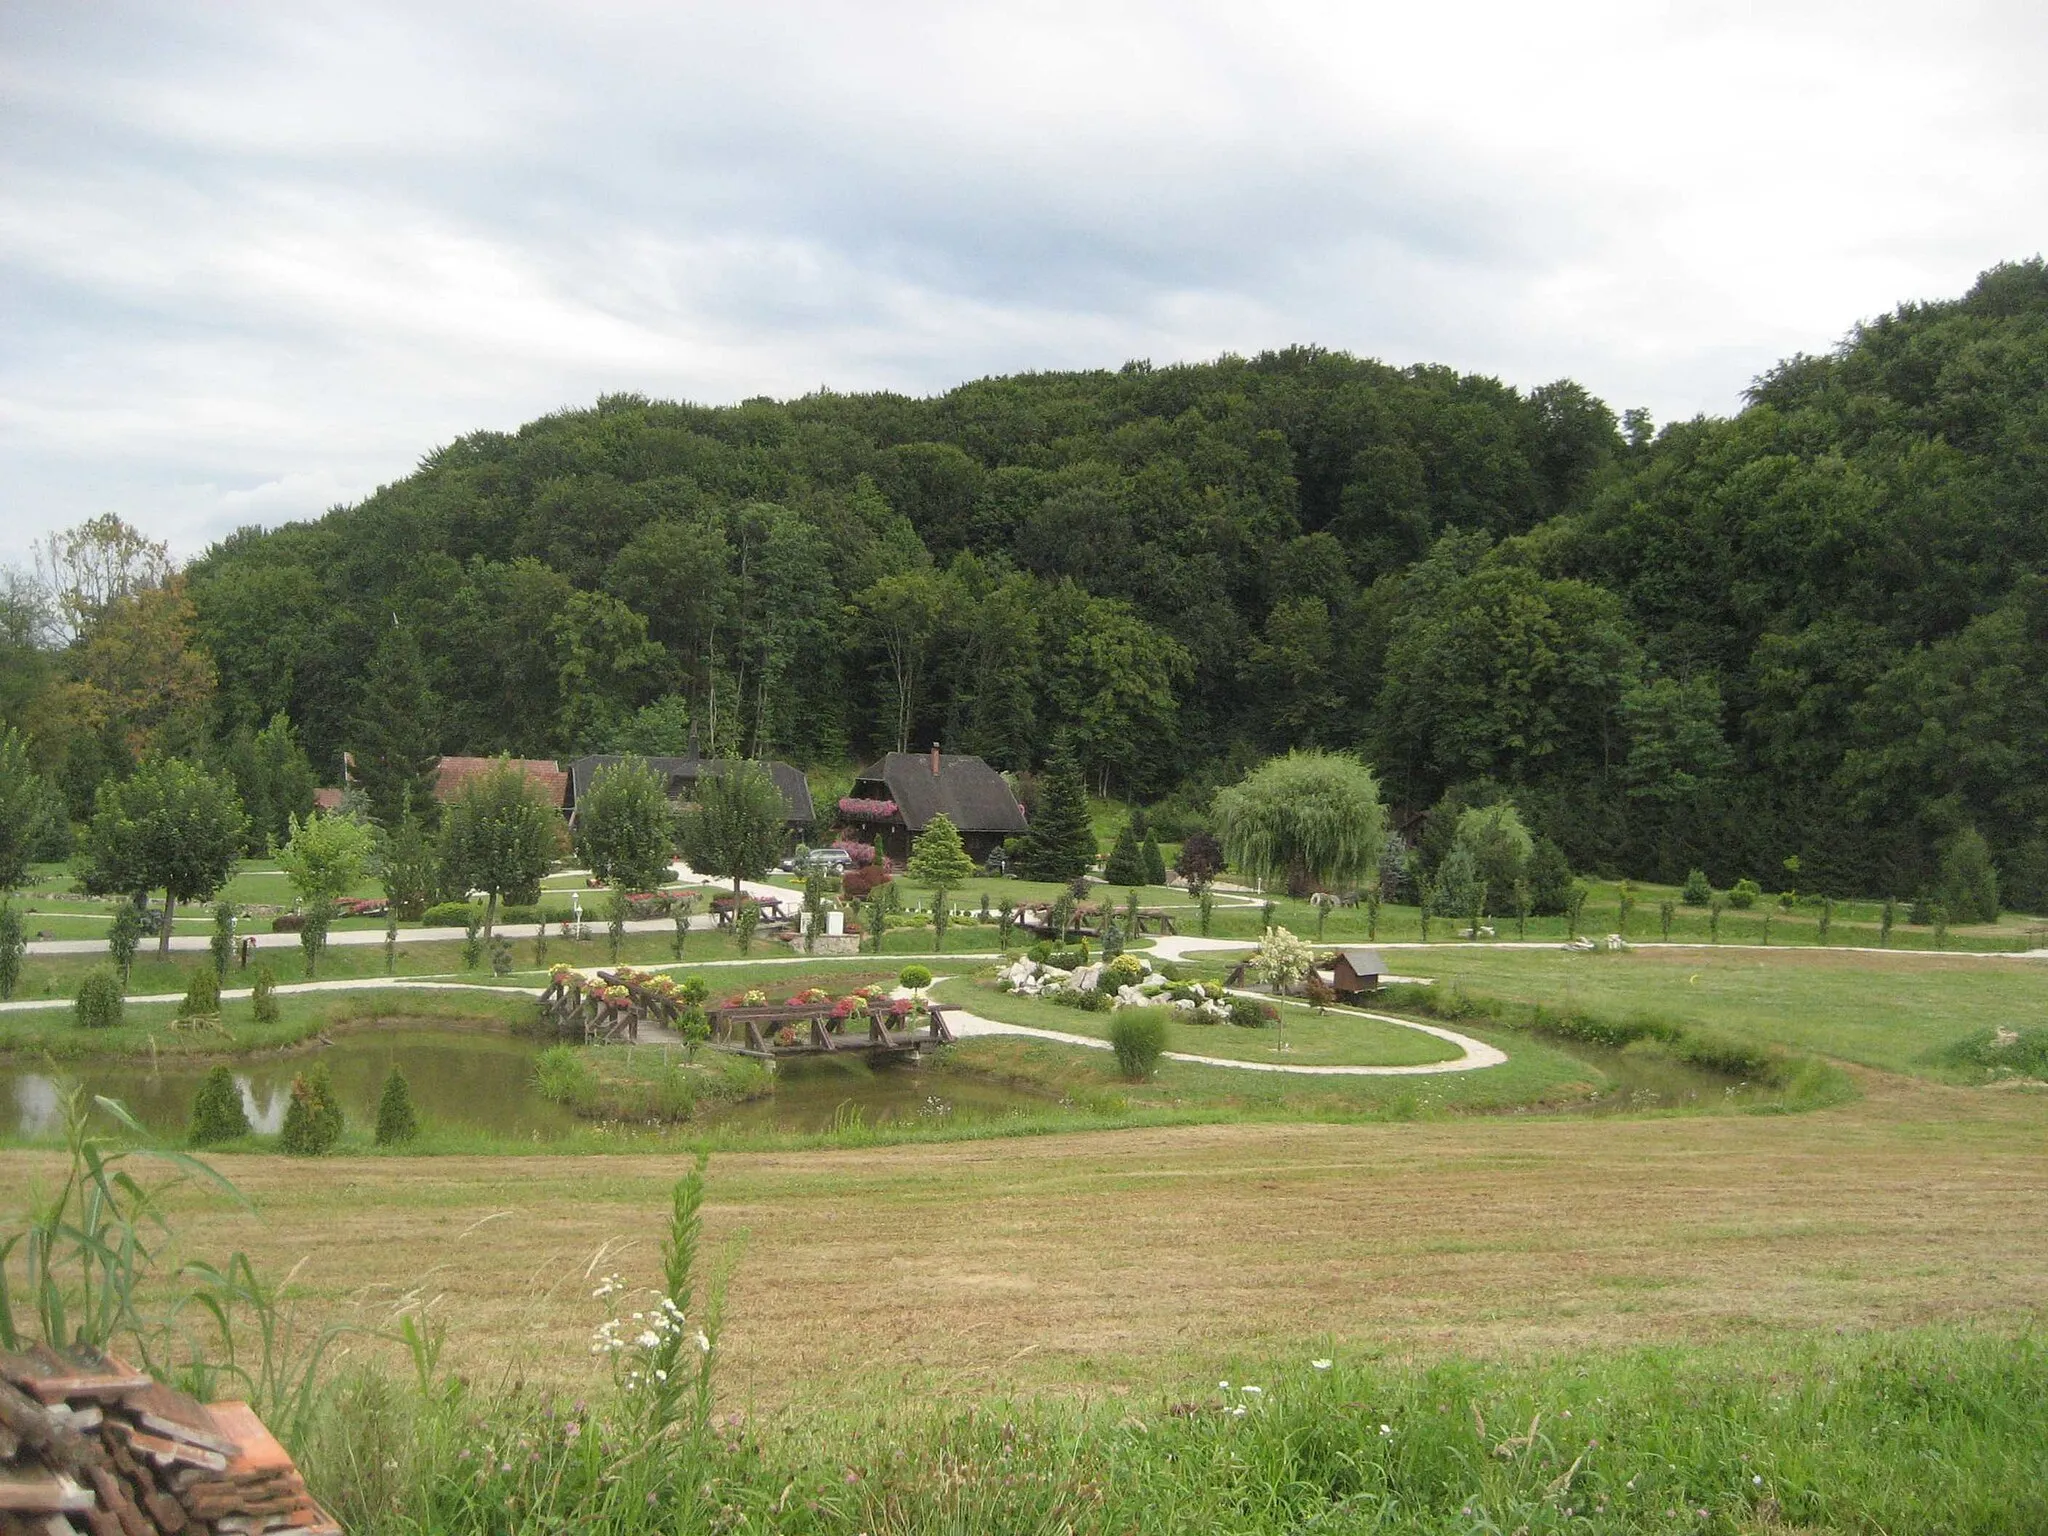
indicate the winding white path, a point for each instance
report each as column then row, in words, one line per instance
column 1477, row 1053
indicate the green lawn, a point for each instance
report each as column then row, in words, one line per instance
column 1305, row 1039
column 1876, row 1011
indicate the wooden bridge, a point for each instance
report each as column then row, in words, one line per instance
column 775, row 1031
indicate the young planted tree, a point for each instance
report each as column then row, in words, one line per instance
column 222, row 943
column 13, row 946
column 1155, row 861
column 1574, row 908
column 1522, row 904
column 1311, row 818
column 263, row 996
column 1886, row 918
column 1666, row 910
column 1625, row 907
column 172, row 826
column 499, row 838
column 615, row 921
column 625, row 831
column 410, row 871
column 1126, row 863
column 1200, row 861
column 1969, row 880
column 746, row 922
column 1714, row 921
column 1059, row 844
column 312, row 1120
column 1550, row 879
column 814, row 908
column 324, row 860
column 397, row 1123
column 940, row 863
column 1500, row 848
column 735, row 829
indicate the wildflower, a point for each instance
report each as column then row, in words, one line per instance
column 648, row 1339
column 703, row 1343
column 1758, row 1481
column 1320, row 1365
column 1222, row 1386
column 1238, row 1411
column 1386, row 1429
column 1255, row 1391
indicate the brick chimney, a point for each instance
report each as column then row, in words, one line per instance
column 935, row 759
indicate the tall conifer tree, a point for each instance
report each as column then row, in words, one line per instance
column 1060, row 842
column 395, row 741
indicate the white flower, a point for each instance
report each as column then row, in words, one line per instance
column 1238, row 1411
column 1255, row 1391
column 1386, row 1429
column 1222, row 1386
column 703, row 1343
column 1320, row 1365
column 648, row 1340
column 1758, row 1481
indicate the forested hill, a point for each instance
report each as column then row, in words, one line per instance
column 1817, row 629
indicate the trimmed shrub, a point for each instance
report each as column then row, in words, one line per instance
column 1138, row 1036
column 13, row 945
column 859, row 884
column 1250, row 1013
column 202, row 995
column 1697, row 892
column 98, row 1005
column 217, row 1113
column 1745, row 895
column 312, row 1121
column 396, row 1122
column 287, row 922
column 448, row 914
column 915, row 977
column 263, row 999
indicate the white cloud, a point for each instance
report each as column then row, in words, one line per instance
column 255, row 261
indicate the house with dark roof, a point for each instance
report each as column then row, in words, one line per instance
column 679, row 777
column 451, row 774
column 895, row 798
column 1355, row 970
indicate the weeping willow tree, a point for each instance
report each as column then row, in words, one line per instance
column 1313, row 817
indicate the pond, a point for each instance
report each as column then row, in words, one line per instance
column 482, row 1081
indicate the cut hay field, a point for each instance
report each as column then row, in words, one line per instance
column 1154, row 1257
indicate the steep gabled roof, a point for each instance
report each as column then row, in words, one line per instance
column 973, row 795
column 452, row 773
column 1363, row 962
column 679, row 774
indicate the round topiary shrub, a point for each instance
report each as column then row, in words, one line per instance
column 99, row 999
column 312, row 1121
column 217, row 1113
column 396, row 1122
column 1250, row 1013
column 1697, row 892
column 449, row 914
column 915, row 977
column 1744, row 895
column 1138, row 1036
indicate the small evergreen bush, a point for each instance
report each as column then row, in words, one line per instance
column 312, row 1121
column 1745, row 895
column 1126, row 864
column 1138, row 1036
column 448, row 914
column 217, row 1113
column 396, row 1122
column 98, row 1005
column 202, row 995
column 263, row 998
column 1697, row 892
column 914, row 977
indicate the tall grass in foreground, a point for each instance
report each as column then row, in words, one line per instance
column 1890, row 1433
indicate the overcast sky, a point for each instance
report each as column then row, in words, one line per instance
column 257, row 260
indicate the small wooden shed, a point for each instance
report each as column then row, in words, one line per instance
column 1356, row 971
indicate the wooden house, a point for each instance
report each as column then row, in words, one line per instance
column 895, row 798
column 453, row 774
column 1356, row 971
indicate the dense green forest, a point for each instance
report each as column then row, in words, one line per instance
column 1815, row 631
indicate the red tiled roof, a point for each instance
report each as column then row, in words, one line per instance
column 451, row 773
column 325, row 800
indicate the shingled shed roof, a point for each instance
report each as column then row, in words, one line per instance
column 452, row 773
column 91, row 1446
column 680, row 774
column 973, row 795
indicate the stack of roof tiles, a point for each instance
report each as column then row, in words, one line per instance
column 92, row 1447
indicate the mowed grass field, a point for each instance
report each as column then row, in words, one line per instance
column 1895, row 1012
column 1157, row 1257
